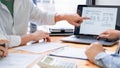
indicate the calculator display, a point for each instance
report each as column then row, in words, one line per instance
column 48, row 60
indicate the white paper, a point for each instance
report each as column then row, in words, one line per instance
column 14, row 60
column 69, row 52
column 41, row 47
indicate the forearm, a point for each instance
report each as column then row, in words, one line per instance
column 59, row 17
column 26, row 38
column 108, row 61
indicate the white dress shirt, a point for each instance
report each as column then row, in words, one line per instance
column 24, row 12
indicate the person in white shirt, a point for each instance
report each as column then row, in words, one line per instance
column 16, row 14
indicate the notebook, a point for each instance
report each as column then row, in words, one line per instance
column 70, row 52
column 101, row 18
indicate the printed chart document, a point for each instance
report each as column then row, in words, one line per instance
column 41, row 47
column 15, row 60
column 70, row 52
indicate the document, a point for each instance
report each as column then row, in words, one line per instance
column 70, row 52
column 15, row 60
column 41, row 47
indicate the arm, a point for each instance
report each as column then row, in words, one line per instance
column 36, row 36
column 48, row 18
column 24, row 39
column 107, row 61
column 73, row 19
column 96, row 54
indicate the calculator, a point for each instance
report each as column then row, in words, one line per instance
column 50, row 62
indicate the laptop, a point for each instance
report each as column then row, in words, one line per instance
column 101, row 18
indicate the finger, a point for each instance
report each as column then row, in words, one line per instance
column 48, row 39
column 103, row 35
column 4, row 40
column 1, row 53
column 99, row 37
column 4, row 53
column 76, row 23
column 81, row 20
column 2, row 48
column 85, row 18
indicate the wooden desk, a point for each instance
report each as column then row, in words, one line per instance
column 80, row 63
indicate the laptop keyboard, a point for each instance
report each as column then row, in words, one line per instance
column 85, row 37
column 88, row 40
column 94, row 37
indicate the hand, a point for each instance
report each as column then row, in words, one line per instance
column 3, row 51
column 38, row 35
column 109, row 34
column 3, row 41
column 73, row 19
column 3, row 48
column 93, row 50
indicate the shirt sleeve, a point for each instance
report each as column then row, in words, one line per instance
column 14, row 40
column 40, row 16
column 107, row 60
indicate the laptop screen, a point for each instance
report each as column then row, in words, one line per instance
column 101, row 19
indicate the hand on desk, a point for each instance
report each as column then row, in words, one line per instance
column 38, row 35
column 3, row 48
column 93, row 50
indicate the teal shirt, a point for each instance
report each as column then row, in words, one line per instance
column 9, row 4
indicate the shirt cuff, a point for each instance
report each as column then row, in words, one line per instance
column 51, row 18
column 14, row 41
column 98, row 58
column 100, row 55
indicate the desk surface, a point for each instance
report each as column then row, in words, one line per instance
column 80, row 63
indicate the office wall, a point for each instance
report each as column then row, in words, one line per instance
column 67, row 6
column 107, row 2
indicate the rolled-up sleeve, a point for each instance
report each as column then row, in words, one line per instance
column 107, row 60
column 14, row 41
